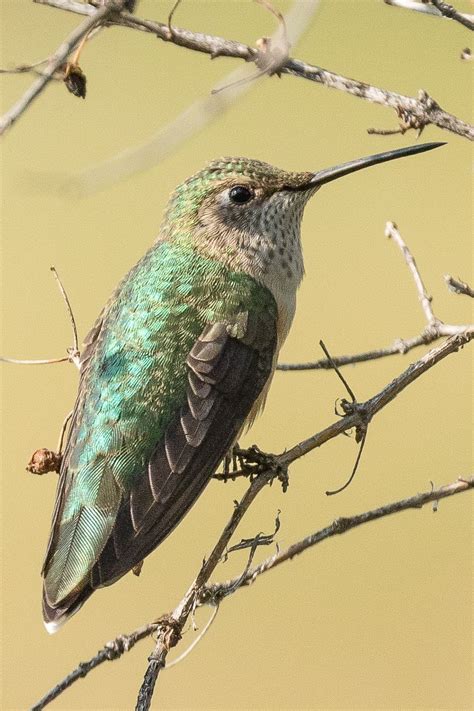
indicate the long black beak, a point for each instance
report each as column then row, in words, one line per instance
column 338, row 171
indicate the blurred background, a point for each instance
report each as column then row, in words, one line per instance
column 380, row 618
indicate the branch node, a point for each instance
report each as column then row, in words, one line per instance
column 412, row 117
column 169, row 632
column 341, row 525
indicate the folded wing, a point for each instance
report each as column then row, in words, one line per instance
column 227, row 369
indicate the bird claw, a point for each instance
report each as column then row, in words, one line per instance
column 254, row 461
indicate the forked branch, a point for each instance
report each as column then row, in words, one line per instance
column 171, row 628
column 213, row 594
column 433, row 330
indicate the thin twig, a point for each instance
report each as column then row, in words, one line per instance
column 195, row 642
column 338, row 373
column 423, row 110
column 458, row 287
column 332, row 492
column 435, row 9
column 169, row 632
column 386, row 131
column 191, row 121
column 56, row 60
column 75, row 343
column 111, row 651
column 341, row 525
column 24, row 68
column 392, row 232
column 170, row 626
column 44, row 361
column 74, row 355
column 433, row 331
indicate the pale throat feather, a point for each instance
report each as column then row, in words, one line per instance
column 265, row 244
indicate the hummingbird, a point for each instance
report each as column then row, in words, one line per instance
column 177, row 364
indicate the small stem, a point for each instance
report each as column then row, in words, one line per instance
column 69, row 309
column 391, row 231
column 45, row 361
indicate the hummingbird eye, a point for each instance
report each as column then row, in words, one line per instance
column 240, row 194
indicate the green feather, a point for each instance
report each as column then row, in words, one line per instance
column 133, row 384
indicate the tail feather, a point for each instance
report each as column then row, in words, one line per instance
column 55, row 616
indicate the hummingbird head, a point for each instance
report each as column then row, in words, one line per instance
column 247, row 214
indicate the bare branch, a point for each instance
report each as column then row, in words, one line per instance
column 435, row 8
column 44, row 361
column 364, row 412
column 449, row 11
column 391, row 231
column 79, row 8
column 188, row 123
column 171, row 626
column 218, row 591
column 111, row 651
column 195, row 642
column 74, row 355
column 213, row 594
column 433, row 331
column 458, row 286
column 421, row 111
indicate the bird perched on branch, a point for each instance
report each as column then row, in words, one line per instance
column 177, row 364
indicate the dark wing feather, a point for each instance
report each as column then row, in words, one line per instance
column 226, row 374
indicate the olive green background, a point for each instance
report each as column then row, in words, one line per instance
column 380, row 618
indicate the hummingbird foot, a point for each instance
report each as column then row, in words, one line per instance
column 254, row 461
column 231, row 464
